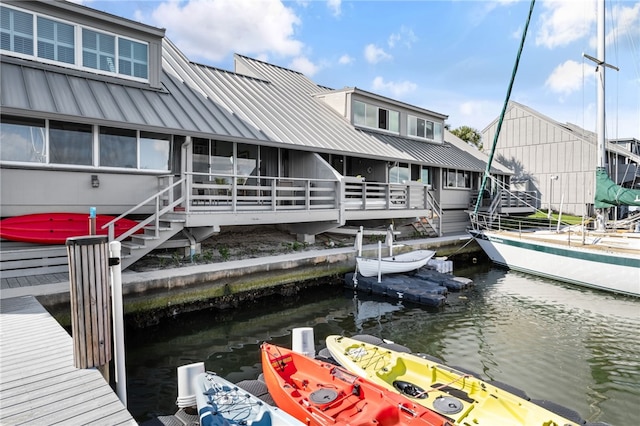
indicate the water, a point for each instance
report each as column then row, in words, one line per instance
column 577, row 347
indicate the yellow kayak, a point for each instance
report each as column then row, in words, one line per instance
column 463, row 398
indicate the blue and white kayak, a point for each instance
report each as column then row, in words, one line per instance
column 222, row 403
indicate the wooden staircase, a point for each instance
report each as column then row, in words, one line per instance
column 139, row 245
column 425, row 227
column 157, row 228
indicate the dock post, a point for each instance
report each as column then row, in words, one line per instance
column 118, row 320
column 90, row 302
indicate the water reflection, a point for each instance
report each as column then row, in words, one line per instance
column 577, row 347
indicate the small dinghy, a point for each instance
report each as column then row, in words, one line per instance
column 320, row 393
column 222, row 403
column 396, row 264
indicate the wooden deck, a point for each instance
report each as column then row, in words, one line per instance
column 38, row 382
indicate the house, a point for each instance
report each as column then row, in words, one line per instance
column 100, row 111
column 557, row 161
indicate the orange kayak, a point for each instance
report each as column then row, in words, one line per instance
column 321, row 394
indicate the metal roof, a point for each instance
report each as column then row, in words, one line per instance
column 28, row 88
column 269, row 105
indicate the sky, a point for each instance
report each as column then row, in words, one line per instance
column 454, row 57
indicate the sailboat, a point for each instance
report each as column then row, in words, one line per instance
column 603, row 258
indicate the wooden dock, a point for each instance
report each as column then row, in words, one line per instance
column 38, row 382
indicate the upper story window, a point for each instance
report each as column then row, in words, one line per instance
column 56, row 41
column 33, row 35
column 16, row 31
column 98, row 50
column 425, row 129
column 375, row 117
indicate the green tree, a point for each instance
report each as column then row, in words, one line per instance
column 469, row 135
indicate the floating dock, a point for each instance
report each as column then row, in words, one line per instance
column 425, row 286
column 39, row 383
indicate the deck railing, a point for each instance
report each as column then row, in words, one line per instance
column 250, row 193
column 237, row 193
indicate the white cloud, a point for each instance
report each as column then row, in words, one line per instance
column 406, row 36
column 627, row 20
column 334, row 6
column 304, row 65
column 395, row 89
column 213, row 29
column 476, row 113
column 374, row 54
column 564, row 21
column 568, row 77
column 345, row 59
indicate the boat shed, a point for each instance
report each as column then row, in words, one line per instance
column 187, row 148
column 556, row 161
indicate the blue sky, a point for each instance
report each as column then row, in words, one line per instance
column 453, row 57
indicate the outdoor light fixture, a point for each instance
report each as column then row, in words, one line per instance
column 95, row 182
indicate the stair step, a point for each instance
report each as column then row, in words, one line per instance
column 131, row 245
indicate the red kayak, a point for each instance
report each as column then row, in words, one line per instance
column 322, row 394
column 55, row 228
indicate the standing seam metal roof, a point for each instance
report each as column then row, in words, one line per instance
column 278, row 107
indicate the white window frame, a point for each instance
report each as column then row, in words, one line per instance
column 369, row 115
column 438, row 135
column 78, row 47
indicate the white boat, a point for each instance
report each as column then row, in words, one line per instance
column 391, row 264
column 600, row 258
column 222, row 403
column 396, row 264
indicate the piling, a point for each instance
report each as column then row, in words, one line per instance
column 90, row 302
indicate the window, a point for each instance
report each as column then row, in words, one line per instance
column 424, row 175
column 399, row 173
column 55, row 41
column 23, row 140
column 70, row 143
column 16, row 31
column 457, row 178
column 118, row 148
column 133, row 58
column 425, row 129
column 377, row 118
column 155, row 151
column 247, row 159
column 98, row 50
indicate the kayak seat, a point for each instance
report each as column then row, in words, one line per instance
column 391, row 371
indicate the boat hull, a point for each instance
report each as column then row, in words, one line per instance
column 615, row 271
column 321, row 394
column 55, row 228
column 398, row 264
column 223, row 403
column 462, row 397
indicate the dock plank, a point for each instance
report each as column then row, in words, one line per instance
column 38, row 382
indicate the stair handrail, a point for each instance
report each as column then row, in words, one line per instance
column 435, row 206
column 154, row 217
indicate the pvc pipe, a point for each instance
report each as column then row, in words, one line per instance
column 186, row 377
column 302, row 341
column 118, row 322
column 379, row 261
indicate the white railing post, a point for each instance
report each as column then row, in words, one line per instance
column 118, row 321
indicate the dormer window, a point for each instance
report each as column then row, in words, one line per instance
column 425, row 129
column 58, row 42
column 372, row 116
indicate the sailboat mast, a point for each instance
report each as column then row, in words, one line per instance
column 600, row 74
